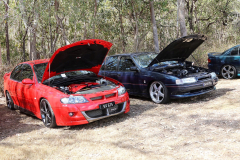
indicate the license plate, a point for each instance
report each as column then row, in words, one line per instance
column 106, row 105
column 207, row 84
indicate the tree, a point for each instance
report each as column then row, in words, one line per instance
column 155, row 34
column 181, row 17
column 6, row 31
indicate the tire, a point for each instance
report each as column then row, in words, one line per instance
column 9, row 101
column 47, row 114
column 158, row 93
column 228, row 72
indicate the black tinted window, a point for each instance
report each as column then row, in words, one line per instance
column 16, row 73
column 26, row 72
column 235, row 52
column 125, row 64
column 111, row 63
column 39, row 70
column 103, row 65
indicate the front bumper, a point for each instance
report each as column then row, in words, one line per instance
column 189, row 90
column 98, row 114
column 89, row 112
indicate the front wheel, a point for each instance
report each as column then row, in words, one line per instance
column 9, row 101
column 47, row 114
column 228, row 72
column 159, row 93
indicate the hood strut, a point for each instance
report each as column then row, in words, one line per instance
column 195, row 60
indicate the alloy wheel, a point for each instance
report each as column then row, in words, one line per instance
column 228, row 72
column 157, row 92
column 9, row 101
column 47, row 114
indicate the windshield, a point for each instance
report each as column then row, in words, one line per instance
column 40, row 68
column 144, row 60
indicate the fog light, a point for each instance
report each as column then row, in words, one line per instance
column 71, row 114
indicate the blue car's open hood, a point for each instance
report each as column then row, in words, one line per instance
column 179, row 49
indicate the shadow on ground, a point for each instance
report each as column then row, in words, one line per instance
column 11, row 122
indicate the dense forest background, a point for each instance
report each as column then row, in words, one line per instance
column 33, row 29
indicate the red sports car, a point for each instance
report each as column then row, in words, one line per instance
column 66, row 89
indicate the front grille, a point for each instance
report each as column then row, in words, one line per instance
column 96, row 98
column 110, row 95
column 204, row 77
column 104, row 112
column 101, row 97
column 202, row 90
column 94, row 113
column 194, row 91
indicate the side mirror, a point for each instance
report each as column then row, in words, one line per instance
column 134, row 68
column 28, row 81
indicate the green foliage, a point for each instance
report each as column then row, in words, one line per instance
column 125, row 23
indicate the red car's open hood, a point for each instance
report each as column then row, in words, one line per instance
column 179, row 49
column 82, row 55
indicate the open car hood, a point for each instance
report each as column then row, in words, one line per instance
column 179, row 49
column 82, row 55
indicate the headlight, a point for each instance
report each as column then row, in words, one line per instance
column 121, row 90
column 213, row 75
column 74, row 100
column 186, row 80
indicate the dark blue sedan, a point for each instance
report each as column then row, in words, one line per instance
column 162, row 76
column 226, row 64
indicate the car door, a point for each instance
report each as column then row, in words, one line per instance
column 109, row 67
column 129, row 78
column 27, row 90
column 233, row 58
column 14, row 84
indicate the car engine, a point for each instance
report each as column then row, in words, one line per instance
column 180, row 69
column 81, row 85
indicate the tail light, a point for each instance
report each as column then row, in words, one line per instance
column 209, row 60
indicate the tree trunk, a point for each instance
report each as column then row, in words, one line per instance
column 94, row 21
column 6, row 31
column 34, row 35
column 23, row 45
column 155, row 34
column 122, row 30
column 94, row 17
column 50, row 30
column 181, row 13
column 0, row 56
column 59, row 23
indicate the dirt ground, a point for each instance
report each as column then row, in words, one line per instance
column 203, row 127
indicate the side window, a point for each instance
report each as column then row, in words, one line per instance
column 103, row 65
column 125, row 64
column 16, row 73
column 26, row 72
column 112, row 63
column 235, row 51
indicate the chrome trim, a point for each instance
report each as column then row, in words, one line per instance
column 89, row 119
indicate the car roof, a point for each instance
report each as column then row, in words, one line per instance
column 39, row 61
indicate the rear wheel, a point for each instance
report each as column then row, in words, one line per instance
column 158, row 92
column 47, row 114
column 9, row 101
column 228, row 72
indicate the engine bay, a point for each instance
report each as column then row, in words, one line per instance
column 180, row 69
column 80, row 85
